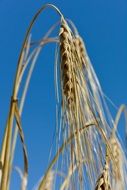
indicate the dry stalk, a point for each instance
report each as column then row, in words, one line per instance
column 6, row 145
column 48, row 184
column 61, row 149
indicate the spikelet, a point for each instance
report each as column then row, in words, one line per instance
column 117, row 154
column 103, row 181
column 118, row 166
column 80, row 48
column 66, row 63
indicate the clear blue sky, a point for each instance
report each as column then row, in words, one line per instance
column 103, row 26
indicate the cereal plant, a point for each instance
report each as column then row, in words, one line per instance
column 90, row 154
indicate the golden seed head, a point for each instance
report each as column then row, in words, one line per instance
column 80, row 48
column 66, row 62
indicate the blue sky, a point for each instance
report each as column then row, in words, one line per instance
column 103, row 26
